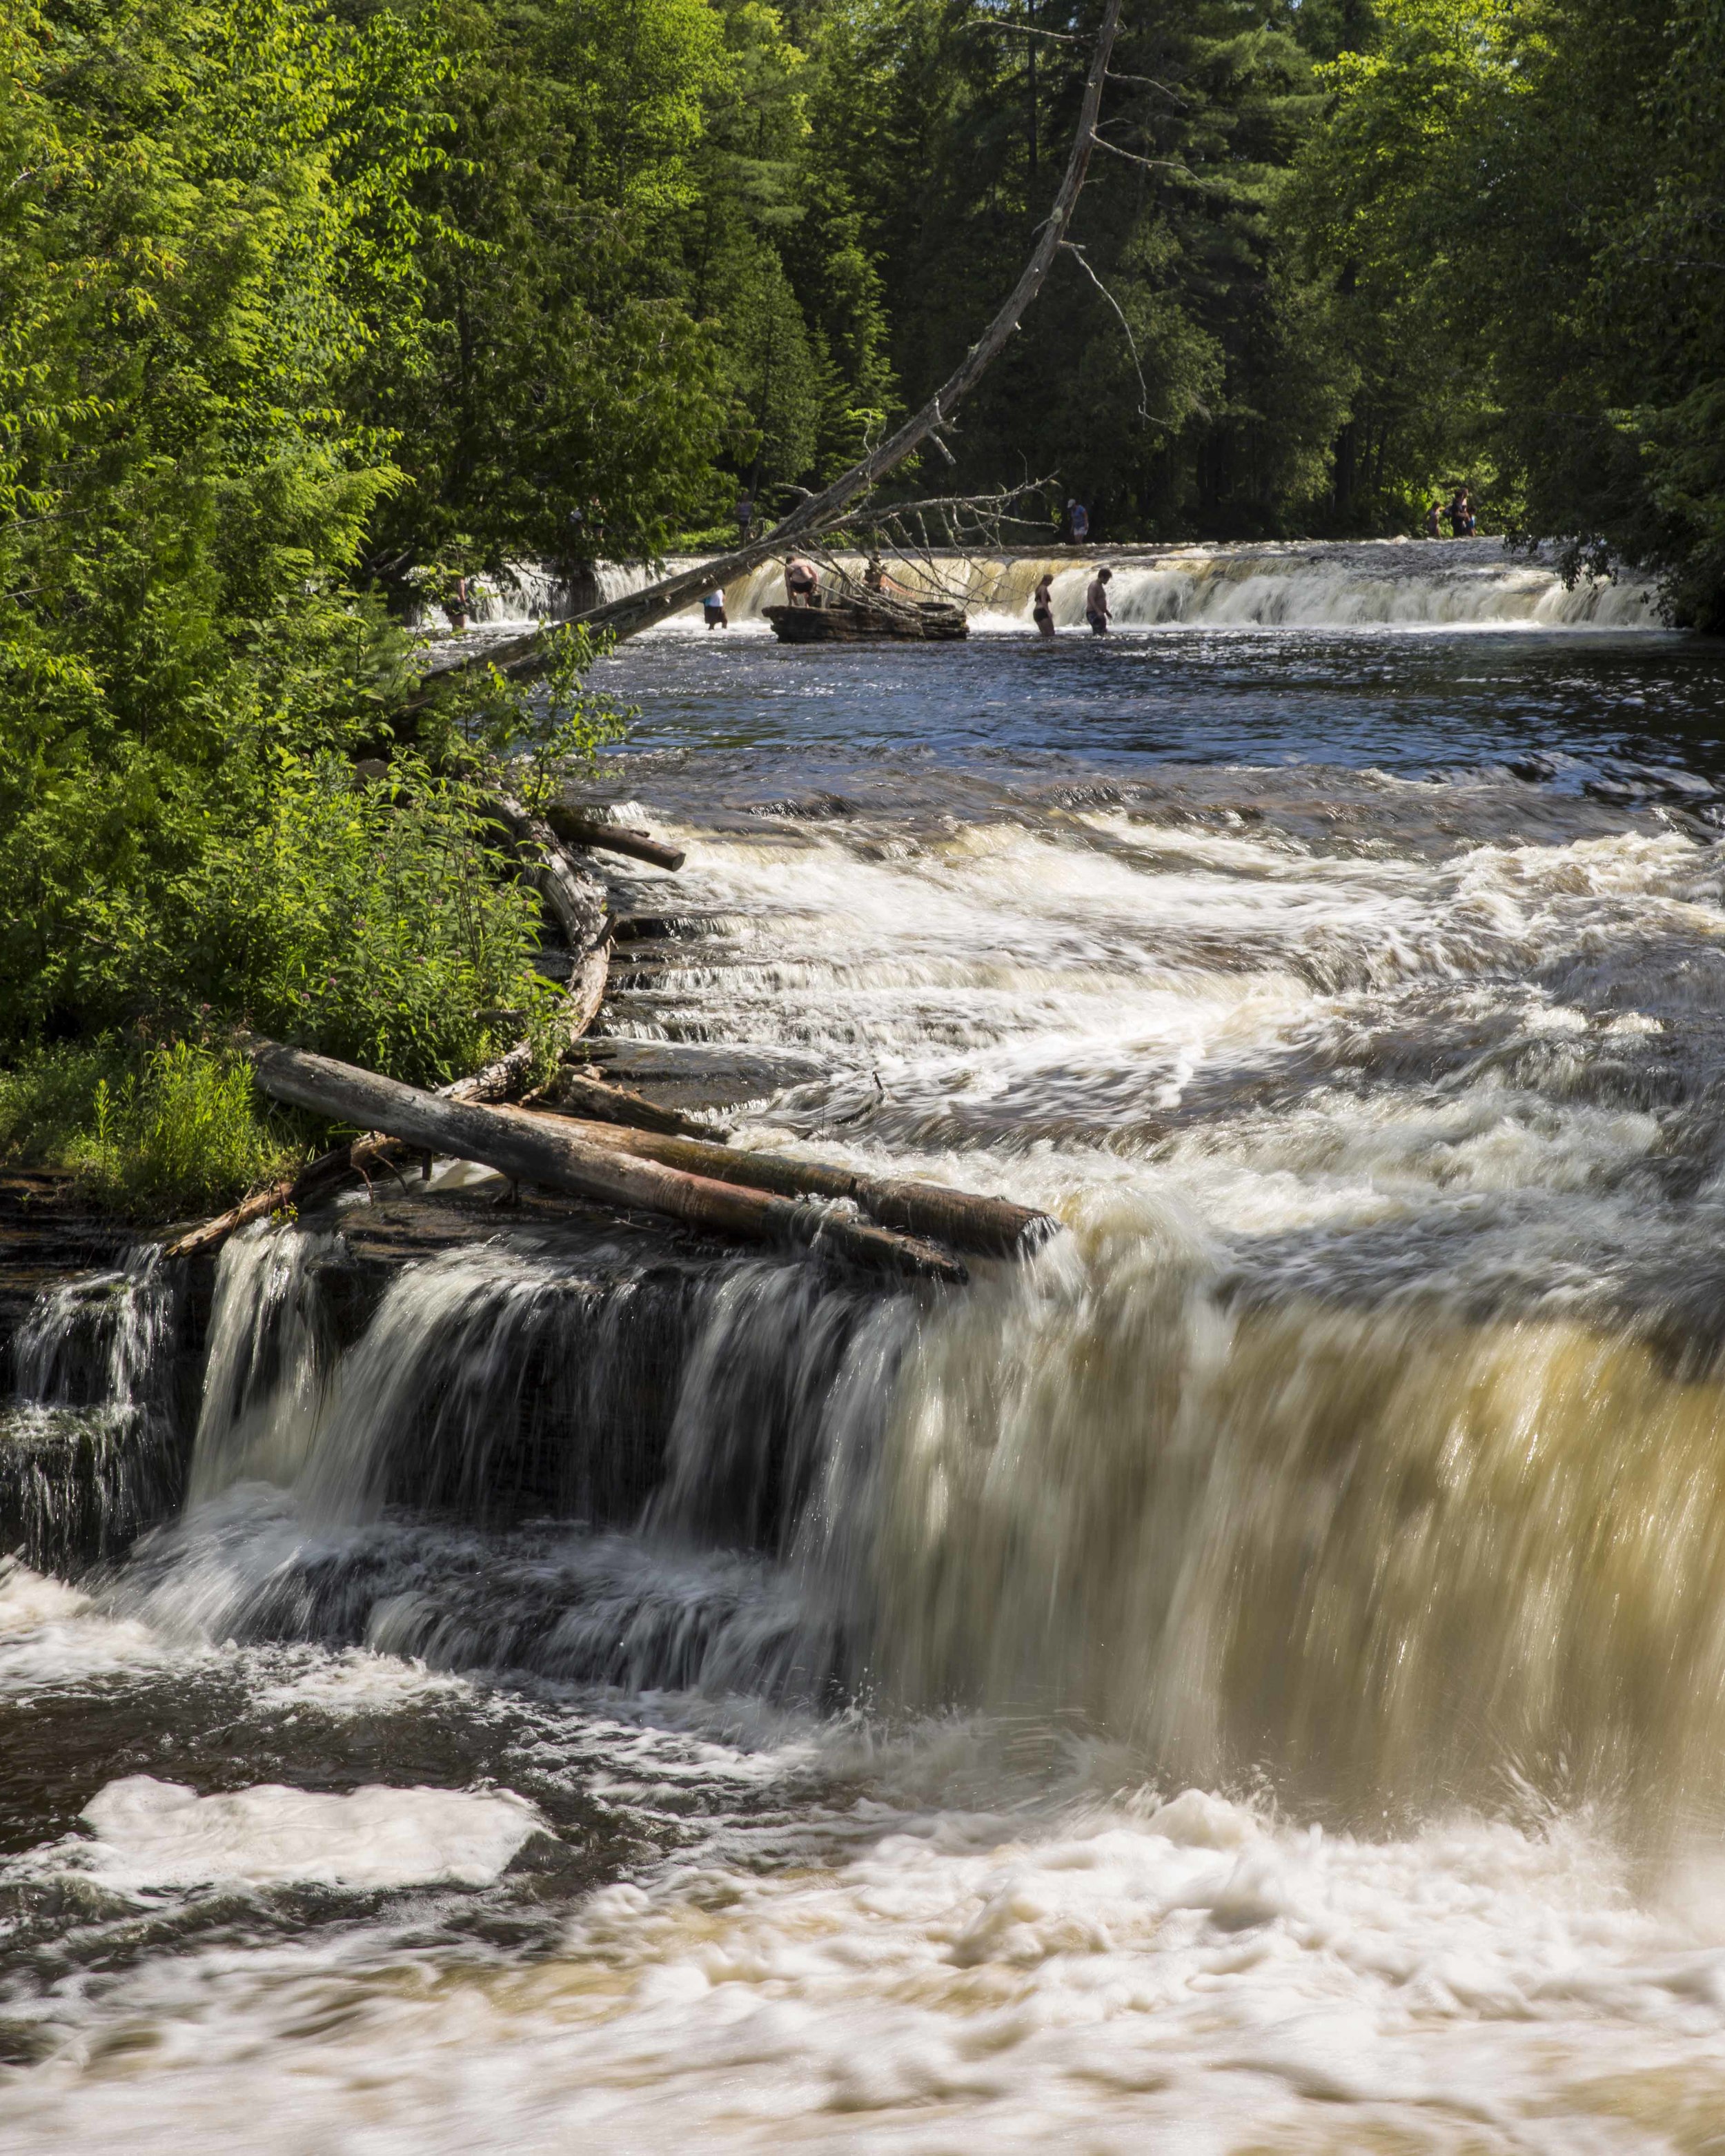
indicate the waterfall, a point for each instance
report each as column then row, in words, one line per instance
column 731, row 1421
column 1338, row 584
column 1396, row 1552
column 268, row 1358
column 1308, row 584
column 89, row 1445
column 1386, row 1549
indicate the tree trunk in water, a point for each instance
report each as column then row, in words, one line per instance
column 992, row 1227
column 580, row 1093
column 581, row 827
column 533, row 1148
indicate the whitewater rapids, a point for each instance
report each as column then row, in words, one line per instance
column 1252, row 1679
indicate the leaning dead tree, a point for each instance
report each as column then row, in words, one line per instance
column 834, row 505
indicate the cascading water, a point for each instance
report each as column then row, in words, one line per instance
column 736, row 1420
column 89, row 1449
column 1311, row 584
column 1250, row 1677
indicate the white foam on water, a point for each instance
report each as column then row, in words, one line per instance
column 1009, row 965
column 53, row 1635
column 1193, row 1976
column 357, row 1681
column 152, row 1835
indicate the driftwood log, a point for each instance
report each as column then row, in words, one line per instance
column 581, row 1094
column 541, row 1149
column 575, row 900
column 582, row 826
column 991, row 1226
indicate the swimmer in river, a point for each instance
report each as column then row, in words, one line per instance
column 1096, row 602
column 1042, row 605
column 802, row 580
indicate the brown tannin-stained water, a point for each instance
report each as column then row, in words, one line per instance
column 1251, row 1678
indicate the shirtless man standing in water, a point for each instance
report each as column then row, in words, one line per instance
column 1095, row 601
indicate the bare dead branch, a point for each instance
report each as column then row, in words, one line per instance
column 1151, row 164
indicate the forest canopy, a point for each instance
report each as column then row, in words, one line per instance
column 309, row 307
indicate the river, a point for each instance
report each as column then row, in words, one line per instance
column 1251, row 1678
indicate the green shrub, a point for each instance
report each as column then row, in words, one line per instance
column 369, row 921
column 177, row 1131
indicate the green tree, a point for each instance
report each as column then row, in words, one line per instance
column 562, row 401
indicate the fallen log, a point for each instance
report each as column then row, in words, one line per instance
column 576, row 900
column 580, row 827
column 580, row 1095
column 992, row 1227
column 534, row 1148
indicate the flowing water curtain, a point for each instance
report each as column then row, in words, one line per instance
column 1385, row 1554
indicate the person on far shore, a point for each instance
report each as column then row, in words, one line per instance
column 744, row 518
column 1434, row 520
column 712, row 608
column 802, row 580
column 1459, row 514
column 1096, row 602
column 1078, row 522
column 1042, row 605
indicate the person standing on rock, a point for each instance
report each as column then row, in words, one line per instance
column 802, row 580
column 1078, row 517
column 1434, row 520
column 1042, row 605
column 1096, row 602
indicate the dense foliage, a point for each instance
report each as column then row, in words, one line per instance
column 308, row 307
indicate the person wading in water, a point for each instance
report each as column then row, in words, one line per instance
column 712, row 608
column 1096, row 602
column 1042, row 605
column 802, row 580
